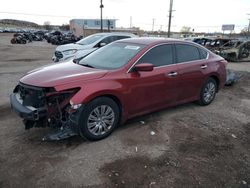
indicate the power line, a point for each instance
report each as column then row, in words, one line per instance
column 42, row 15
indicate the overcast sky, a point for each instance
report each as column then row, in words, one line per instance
column 200, row 15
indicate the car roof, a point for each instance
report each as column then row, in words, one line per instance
column 150, row 40
column 115, row 33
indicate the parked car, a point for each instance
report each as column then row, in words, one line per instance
column 239, row 51
column 202, row 41
column 50, row 35
column 88, row 44
column 124, row 79
column 65, row 38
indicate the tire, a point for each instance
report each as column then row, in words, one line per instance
column 13, row 41
column 208, row 92
column 244, row 53
column 94, row 126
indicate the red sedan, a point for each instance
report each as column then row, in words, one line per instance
column 122, row 80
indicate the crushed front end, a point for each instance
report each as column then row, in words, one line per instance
column 45, row 107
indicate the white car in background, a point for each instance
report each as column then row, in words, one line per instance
column 87, row 45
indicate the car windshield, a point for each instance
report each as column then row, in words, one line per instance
column 112, row 56
column 89, row 40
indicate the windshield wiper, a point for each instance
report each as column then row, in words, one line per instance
column 87, row 65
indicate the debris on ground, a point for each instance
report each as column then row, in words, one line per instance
column 234, row 136
column 152, row 133
column 152, row 183
column 244, row 182
column 60, row 134
column 142, row 122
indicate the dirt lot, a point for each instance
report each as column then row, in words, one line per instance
column 193, row 146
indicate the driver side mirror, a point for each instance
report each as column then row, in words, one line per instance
column 144, row 67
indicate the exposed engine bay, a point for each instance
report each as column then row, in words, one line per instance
column 45, row 107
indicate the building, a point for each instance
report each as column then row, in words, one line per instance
column 78, row 26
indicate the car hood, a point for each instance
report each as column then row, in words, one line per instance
column 72, row 46
column 84, row 52
column 61, row 73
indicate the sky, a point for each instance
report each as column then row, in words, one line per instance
column 200, row 15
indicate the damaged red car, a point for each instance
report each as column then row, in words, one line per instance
column 122, row 80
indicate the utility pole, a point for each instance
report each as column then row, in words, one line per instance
column 101, row 7
column 131, row 22
column 248, row 28
column 170, row 17
column 153, row 24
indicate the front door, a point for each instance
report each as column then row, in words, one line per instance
column 155, row 89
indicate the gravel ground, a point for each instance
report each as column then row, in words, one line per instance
column 192, row 146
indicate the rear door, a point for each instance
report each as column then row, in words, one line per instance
column 155, row 89
column 192, row 70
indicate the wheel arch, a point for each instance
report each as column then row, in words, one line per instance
column 216, row 78
column 115, row 98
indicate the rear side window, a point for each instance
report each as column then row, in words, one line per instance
column 122, row 37
column 185, row 52
column 203, row 53
column 158, row 56
column 108, row 39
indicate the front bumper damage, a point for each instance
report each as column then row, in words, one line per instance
column 68, row 129
column 26, row 112
column 43, row 107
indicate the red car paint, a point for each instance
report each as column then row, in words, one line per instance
column 137, row 92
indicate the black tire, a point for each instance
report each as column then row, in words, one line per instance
column 85, row 121
column 13, row 41
column 207, row 97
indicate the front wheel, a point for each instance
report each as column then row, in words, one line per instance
column 99, row 118
column 208, row 92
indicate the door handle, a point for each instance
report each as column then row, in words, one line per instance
column 203, row 66
column 172, row 74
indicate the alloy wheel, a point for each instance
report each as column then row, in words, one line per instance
column 209, row 92
column 101, row 120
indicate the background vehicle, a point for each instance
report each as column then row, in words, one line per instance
column 215, row 44
column 87, row 44
column 122, row 80
column 52, row 34
column 239, row 51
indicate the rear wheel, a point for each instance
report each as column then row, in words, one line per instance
column 208, row 92
column 99, row 118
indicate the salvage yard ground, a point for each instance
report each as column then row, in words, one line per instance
column 192, row 146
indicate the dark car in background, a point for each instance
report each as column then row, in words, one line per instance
column 124, row 79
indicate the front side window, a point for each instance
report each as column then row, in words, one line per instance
column 112, row 56
column 159, row 56
column 185, row 52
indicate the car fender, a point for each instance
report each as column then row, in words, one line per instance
column 92, row 89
